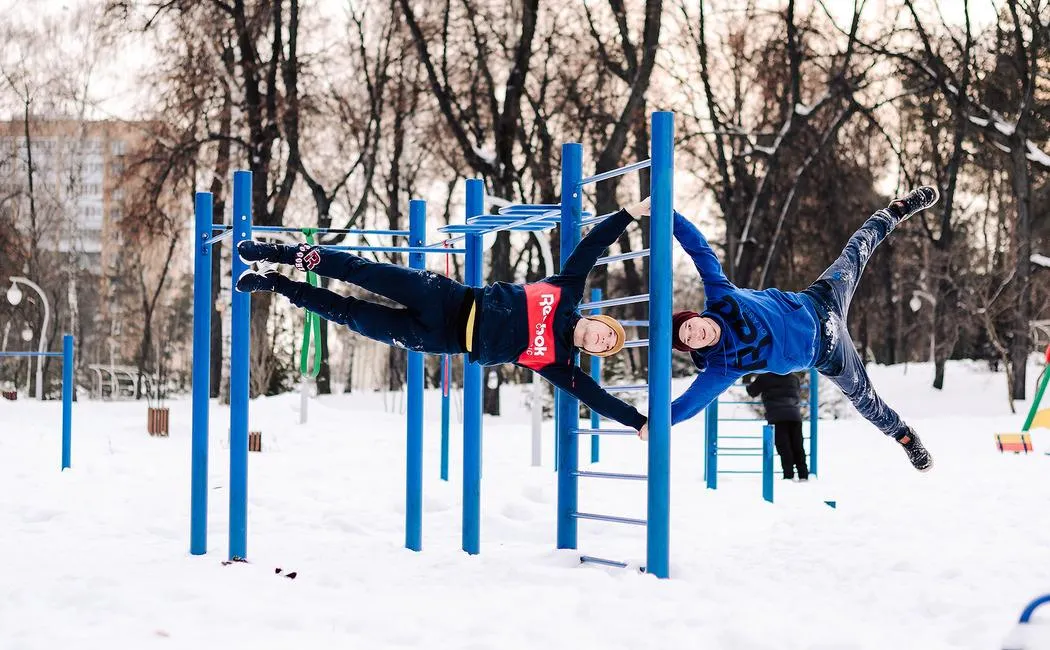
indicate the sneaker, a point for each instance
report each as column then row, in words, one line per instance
column 257, row 251
column 917, row 454
column 916, row 200
column 803, row 479
column 252, row 281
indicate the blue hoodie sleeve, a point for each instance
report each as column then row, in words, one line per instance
column 574, row 272
column 693, row 241
column 704, row 389
column 574, row 381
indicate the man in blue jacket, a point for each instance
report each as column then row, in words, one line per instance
column 744, row 330
column 534, row 325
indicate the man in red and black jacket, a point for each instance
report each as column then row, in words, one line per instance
column 535, row 325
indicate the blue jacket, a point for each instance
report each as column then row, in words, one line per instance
column 762, row 331
column 531, row 325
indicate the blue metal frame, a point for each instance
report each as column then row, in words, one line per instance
column 472, row 387
column 568, row 406
column 67, row 391
column 767, row 463
column 596, row 375
column 240, row 369
column 417, row 219
column 446, row 390
column 814, row 417
column 202, row 261
column 660, row 301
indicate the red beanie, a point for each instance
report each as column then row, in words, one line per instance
column 677, row 319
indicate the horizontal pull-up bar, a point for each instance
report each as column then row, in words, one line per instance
column 612, row 302
column 598, row 219
column 634, row 323
column 625, row 388
column 320, row 231
column 637, row 343
column 613, row 173
column 30, row 354
column 333, row 231
column 218, row 238
column 397, row 249
column 622, row 256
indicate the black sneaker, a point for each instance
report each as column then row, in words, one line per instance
column 252, row 281
column 257, row 251
column 916, row 200
column 917, row 454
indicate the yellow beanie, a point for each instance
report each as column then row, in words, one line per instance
column 621, row 336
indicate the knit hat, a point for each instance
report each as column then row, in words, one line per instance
column 614, row 325
column 677, row 319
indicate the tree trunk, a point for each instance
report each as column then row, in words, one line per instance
column 1019, row 342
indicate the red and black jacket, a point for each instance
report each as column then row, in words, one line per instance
column 531, row 325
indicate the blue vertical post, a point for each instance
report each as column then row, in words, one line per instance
column 596, row 375
column 202, row 259
column 767, row 462
column 814, row 414
column 67, row 400
column 557, row 438
column 240, row 369
column 569, row 406
column 446, row 390
column 417, row 228
column 711, row 444
column 472, row 396
column 658, row 545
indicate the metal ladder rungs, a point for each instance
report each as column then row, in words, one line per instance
column 584, row 559
column 614, row 475
column 609, row 518
column 606, row 432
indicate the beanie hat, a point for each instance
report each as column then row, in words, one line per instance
column 677, row 319
column 614, row 325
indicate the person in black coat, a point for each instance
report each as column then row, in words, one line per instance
column 780, row 397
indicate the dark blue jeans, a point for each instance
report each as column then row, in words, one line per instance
column 427, row 321
column 832, row 293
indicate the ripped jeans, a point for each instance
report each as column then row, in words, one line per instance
column 831, row 294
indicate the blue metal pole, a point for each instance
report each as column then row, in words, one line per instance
column 67, row 400
column 711, row 444
column 202, row 259
column 569, row 406
column 446, row 390
column 596, row 375
column 557, row 420
column 240, row 369
column 417, row 220
column 658, row 545
column 767, row 462
column 814, row 414
column 472, row 397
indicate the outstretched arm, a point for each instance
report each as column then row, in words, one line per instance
column 704, row 389
column 578, row 383
column 581, row 261
column 694, row 243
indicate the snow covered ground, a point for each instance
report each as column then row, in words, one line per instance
column 97, row 556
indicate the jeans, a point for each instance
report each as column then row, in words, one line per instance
column 831, row 293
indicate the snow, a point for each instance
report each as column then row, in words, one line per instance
column 979, row 121
column 1041, row 260
column 1035, row 154
column 802, row 109
column 96, row 557
column 488, row 155
column 1004, row 128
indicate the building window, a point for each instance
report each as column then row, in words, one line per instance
column 116, row 147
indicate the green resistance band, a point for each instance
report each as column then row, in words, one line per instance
column 312, row 326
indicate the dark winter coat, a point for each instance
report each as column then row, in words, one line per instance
column 780, row 396
column 532, row 325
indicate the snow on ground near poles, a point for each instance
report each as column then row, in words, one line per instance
column 97, row 556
